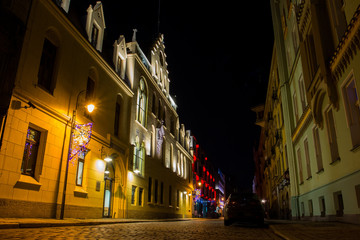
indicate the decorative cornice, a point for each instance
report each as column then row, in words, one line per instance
column 347, row 47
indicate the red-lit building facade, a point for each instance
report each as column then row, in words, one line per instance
column 204, row 183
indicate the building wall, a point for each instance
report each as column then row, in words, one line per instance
column 167, row 160
column 76, row 60
column 335, row 184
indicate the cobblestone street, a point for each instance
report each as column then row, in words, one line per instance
column 193, row 229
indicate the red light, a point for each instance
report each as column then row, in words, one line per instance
column 197, row 178
column 210, row 176
column 194, row 158
column 205, row 158
column 204, row 168
column 207, row 173
column 197, row 145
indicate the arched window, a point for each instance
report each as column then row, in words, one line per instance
column 139, row 157
column 141, row 103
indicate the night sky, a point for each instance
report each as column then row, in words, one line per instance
column 218, row 61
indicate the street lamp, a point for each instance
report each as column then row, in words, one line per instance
column 90, row 108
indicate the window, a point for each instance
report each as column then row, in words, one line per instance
column 170, row 202
column 90, row 88
column 94, row 36
column 161, row 193
column 300, row 166
column 296, row 110
column 139, row 157
column 302, row 209
column 153, row 105
column 46, row 78
column 357, row 191
column 30, row 152
column 311, row 55
column 317, row 149
column 141, row 191
column 311, row 209
column 149, row 189
column 307, row 158
column 117, row 115
column 351, row 101
column 302, row 93
column 133, row 193
column 178, row 199
column 80, row 168
column 322, row 206
column 156, row 191
column 141, row 103
column 330, row 123
column 339, row 204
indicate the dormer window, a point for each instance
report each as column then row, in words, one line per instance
column 94, row 36
column 95, row 25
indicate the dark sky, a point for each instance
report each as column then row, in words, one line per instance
column 219, row 56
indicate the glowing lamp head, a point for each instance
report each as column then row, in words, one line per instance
column 137, row 171
column 90, row 107
column 107, row 159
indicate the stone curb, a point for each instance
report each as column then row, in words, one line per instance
column 82, row 223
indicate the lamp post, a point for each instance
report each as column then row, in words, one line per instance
column 90, row 108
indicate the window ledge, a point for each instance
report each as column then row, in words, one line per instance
column 27, row 182
column 355, row 148
column 335, row 161
column 80, row 192
column 320, row 171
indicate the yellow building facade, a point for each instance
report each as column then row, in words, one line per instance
column 59, row 160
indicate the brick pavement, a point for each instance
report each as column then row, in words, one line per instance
column 200, row 229
column 296, row 230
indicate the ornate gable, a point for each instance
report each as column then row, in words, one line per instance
column 95, row 25
column 159, row 65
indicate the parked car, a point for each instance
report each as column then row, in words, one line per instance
column 243, row 208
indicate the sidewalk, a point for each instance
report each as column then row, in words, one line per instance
column 296, row 230
column 50, row 222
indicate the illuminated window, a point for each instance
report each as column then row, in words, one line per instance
column 46, row 78
column 139, row 157
column 80, row 168
column 133, row 194
column 141, row 103
column 30, row 152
